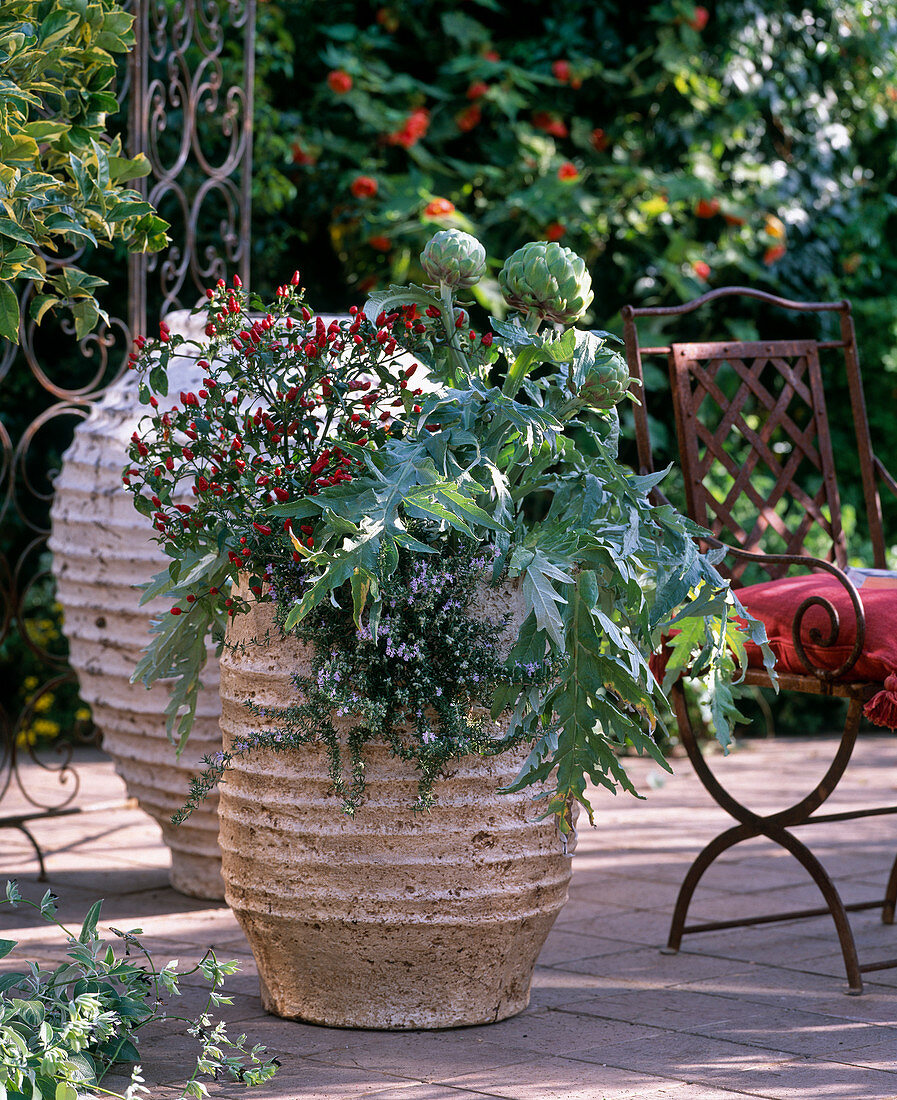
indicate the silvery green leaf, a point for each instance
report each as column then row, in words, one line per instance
column 543, row 598
column 513, row 332
column 603, row 334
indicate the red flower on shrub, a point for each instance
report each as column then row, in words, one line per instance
column 339, row 81
column 491, row 55
column 300, row 156
column 477, row 89
column 701, row 270
column 550, row 124
column 561, row 71
column 699, row 19
column 599, row 140
column 439, row 208
column 468, row 118
column 364, row 187
column 568, row 171
column 776, row 252
column 388, row 20
column 555, row 231
column 380, row 243
column 416, row 125
column 707, row 208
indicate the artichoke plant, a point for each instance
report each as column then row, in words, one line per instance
column 547, row 282
column 378, row 479
column 454, row 259
column 606, row 381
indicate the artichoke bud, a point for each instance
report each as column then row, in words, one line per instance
column 606, row 382
column 454, row 258
column 547, row 279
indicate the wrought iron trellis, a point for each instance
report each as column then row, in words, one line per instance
column 189, row 94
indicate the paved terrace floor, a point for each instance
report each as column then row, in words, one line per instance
column 756, row 1012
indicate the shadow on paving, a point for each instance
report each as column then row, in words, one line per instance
column 751, row 1012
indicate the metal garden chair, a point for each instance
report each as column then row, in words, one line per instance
column 759, row 473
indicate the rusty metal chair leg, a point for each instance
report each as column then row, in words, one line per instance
column 887, row 911
column 715, row 848
column 773, row 827
column 834, row 904
column 832, row 899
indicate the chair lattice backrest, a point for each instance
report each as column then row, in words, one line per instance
column 755, row 434
column 754, row 442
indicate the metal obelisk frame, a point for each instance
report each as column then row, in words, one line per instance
column 189, row 107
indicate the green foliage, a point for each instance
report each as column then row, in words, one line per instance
column 671, row 155
column 61, row 178
column 508, row 451
column 63, row 1030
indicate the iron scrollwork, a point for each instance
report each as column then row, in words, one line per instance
column 196, row 131
column 190, row 112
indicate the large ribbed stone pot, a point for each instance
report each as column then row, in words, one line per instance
column 102, row 552
column 390, row 919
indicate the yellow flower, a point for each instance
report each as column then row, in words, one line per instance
column 44, row 727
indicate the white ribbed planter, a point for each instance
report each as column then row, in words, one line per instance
column 391, row 919
column 102, row 552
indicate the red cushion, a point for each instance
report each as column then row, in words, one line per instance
column 775, row 603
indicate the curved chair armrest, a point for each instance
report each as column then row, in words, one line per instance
column 815, row 636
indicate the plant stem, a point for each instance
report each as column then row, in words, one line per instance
column 532, row 323
column 448, row 321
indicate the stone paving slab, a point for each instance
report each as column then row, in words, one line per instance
column 752, row 1012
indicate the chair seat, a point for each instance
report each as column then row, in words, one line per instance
column 776, row 604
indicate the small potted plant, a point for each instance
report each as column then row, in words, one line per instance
column 439, row 599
